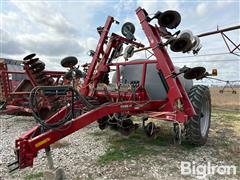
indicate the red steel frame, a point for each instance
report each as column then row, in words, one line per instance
column 16, row 100
column 177, row 106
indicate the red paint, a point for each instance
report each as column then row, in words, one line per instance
column 165, row 110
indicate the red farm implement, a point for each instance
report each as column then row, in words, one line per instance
column 145, row 88
column 18, row 78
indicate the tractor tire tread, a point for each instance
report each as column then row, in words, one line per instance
column 192, row 126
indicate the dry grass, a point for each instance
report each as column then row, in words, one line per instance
column 226, row 99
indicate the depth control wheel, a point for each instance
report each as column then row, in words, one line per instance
column 150, row 129
column 103, row 123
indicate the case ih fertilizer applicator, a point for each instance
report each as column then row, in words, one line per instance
column 145, row 88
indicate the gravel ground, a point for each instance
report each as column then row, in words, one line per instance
column 78, row 153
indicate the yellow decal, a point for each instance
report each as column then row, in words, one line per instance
column 42, row 142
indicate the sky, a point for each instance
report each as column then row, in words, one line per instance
column 56, row 29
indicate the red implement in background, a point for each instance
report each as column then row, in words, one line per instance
column 16, row 83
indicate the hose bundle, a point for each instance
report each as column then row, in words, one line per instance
column 56, row 90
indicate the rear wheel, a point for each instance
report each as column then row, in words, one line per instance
column 197, row 127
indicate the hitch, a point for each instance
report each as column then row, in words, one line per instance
column 24, row 156
column 20, row 162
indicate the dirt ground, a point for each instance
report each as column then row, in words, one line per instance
column 94, row 154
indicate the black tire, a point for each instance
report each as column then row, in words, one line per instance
column 128, row 27
column 39, row 69
column 105, row 79
column 150, row 129
column 30, row 61
column 68, row 75
column 197, row 127
column 170, row 19
column 103, row 122
column 37, row 65
column 69, row 61
column 30, row 56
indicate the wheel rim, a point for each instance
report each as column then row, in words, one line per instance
column 204, row 120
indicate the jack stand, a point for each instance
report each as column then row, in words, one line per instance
column 177, row 133
column 49, row 158
column 53, row 174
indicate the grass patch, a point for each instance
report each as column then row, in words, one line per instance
column 226, row 116
column 232, row 117
column 34, row 176
column 187, row 146
column 137, row 144
column 227, row 121
column 224, row 142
